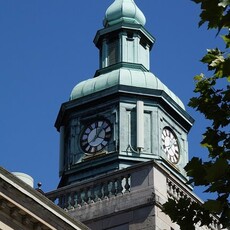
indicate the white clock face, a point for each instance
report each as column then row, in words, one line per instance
column 170, row 145
column 96, row 136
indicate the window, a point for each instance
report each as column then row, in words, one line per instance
column 112, row 51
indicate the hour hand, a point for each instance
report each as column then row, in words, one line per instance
column 98, row 131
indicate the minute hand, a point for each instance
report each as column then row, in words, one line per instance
column 98, row 131
column 171, row 144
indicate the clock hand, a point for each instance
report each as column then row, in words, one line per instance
column 98, row 142
column 95, row 137
column 98, row 132
column 171, row 144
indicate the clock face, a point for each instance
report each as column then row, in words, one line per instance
column 96, row 136
column 170, row 145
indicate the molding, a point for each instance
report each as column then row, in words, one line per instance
column 120, row 91
column 128, row 65
column 123, row 27
column 39, row 199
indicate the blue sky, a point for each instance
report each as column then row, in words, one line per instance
column 46, row 48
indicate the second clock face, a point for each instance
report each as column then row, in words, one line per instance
column 96, row 136
column 170, row 145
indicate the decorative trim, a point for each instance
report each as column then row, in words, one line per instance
column 119, row 65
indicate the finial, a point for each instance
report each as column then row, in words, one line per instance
column 124, row 11
column 39, row 184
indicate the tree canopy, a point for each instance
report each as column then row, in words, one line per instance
column 212, row 100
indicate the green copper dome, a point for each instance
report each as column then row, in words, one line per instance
column 122, row 76
column 124, row 11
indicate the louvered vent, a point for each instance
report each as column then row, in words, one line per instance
column 113, row 52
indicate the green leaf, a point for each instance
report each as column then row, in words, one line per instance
column 211, row 55
column 194, row 169
column 224, row 3
column 199, row 77
column 213, row 206
column 217, row 170
column 217, row 61
column 226, row 39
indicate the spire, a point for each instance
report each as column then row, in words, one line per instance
column 124, row 11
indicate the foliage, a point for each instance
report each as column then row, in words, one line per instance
column 185, row 213
column 213, row 102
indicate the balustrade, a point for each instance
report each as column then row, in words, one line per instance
column 75, row 196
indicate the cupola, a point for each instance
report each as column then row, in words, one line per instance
column 124, row 38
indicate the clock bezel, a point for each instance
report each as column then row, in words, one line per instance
column 173, row 153
column 85, row 145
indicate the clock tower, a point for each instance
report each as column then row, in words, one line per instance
column 124, row 115
column 123, row 134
